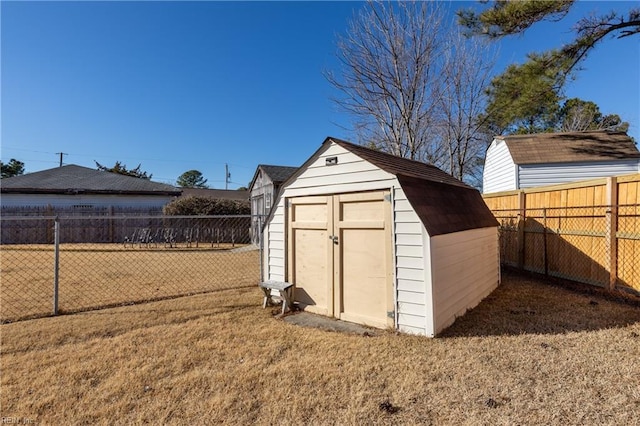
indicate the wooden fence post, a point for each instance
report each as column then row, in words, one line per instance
column 50, row 228
column 111, row 232
column 611, row 241
column 522, row 217
column 545, row 254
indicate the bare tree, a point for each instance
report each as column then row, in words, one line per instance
column 463, row 131
column 414, row 85
column 578, row 120
column 391, row 58
column 577, row 115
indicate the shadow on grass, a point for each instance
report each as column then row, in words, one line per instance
column 96, row 307
column 526, row 305
column 168, row 313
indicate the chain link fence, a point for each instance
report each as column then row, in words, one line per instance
column 52, row 265
column 598, row 245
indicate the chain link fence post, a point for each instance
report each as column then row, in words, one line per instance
column 56, row 263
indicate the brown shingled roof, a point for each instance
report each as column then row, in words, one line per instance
column 444, row 209
column 398, row 165
column 443, row 203
column 543, row 148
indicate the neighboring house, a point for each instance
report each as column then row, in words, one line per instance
column 381, row 240
column 75, row 188
column 218, row 194
column 526, row 161
column 263, row 189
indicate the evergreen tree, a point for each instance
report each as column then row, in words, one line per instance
column 12, row 168
column 192, row 179
column 525, row 97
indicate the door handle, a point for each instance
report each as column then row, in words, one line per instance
column 334, row 238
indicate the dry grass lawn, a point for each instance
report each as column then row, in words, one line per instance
column 97, row 275
column 530, row 354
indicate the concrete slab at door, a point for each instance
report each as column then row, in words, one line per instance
column 363, row 289
column 309, row 250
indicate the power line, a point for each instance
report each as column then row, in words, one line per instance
column 171, row 160
column 27, row 150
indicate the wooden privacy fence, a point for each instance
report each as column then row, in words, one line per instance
column 586, row 231
column 106, row 224
column 168, row 230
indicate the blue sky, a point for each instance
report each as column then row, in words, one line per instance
column 176, row 86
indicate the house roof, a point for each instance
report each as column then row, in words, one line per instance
column 277, row 174
column 544, row 148
column 443, row 203
column 219, row 194
column 73, row 179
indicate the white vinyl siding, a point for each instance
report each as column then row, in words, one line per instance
column 351, row 174
column 534, row 175
column 465, row 269
column 410, row 272
column 499, row 169
column 274, row 245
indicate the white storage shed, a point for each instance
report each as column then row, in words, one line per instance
column 380, row 240
column 528, row 161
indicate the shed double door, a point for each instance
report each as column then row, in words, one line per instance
column 339, row 256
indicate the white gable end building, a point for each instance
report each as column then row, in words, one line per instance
column 527, row 161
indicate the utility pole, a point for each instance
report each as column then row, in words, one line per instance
column 61, row 154
column 227, row 176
